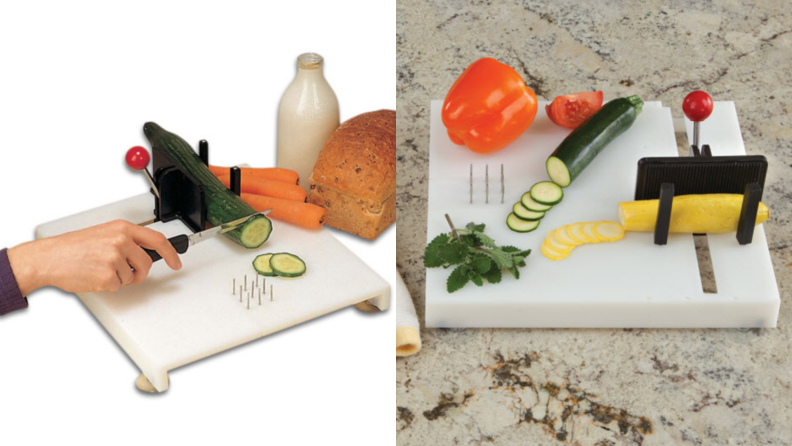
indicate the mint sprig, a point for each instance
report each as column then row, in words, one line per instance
column 474, row 256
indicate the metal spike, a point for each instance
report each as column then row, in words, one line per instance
column 486, row 182
column 259, row 296
column 265, row 285
column 245, row 282
column 249, row 300
column 233, row 287
column 471, row 184
column 503, row 185
column 240, row 293
column 257, row 276
column 272, row 296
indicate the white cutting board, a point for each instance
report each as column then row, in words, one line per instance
column 175, row 318
column 630, row 283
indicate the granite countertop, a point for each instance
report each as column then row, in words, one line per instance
column 599, row 387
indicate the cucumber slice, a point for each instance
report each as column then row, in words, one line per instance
column 546, row 192
column 525, row 214
column 588, row 230
column 558, row 172
column 530, row 204
column 262, row 265
column 287, row 265
column 517, row 224
column 553, row 242
column 574, row 232
column 608, row 231
column 563, row 236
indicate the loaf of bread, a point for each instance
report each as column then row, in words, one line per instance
column 354, row 178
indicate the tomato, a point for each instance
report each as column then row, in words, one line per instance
column 571, row 110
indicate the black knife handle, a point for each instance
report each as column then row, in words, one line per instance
column 180, row 242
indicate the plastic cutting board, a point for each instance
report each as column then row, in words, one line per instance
column 630, row 283
column 175, row 318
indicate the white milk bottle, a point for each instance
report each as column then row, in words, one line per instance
column 307, row 115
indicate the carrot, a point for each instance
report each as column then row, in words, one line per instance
column 270, row 173
column 306, row 215
column 268, row 188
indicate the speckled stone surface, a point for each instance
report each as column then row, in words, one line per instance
column 599, row 387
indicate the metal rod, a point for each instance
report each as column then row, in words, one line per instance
column 151, row 182
column 257, row 276
column 245, row 282
column 696, row 134
column 249, row 300
column 240, row 293
column 486, row 182
column 272, row 296
column 259, row 296
column 471, row 184
column 265, row 285
column 503, row 185
column 233, row 287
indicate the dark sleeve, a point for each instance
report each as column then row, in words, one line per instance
column 10, row 297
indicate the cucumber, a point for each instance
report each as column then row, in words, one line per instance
column 262, row 265
column 222, row 205
column 532, row 205
column 546, row 192
column 516, row 224
column 525, row 214
column 578, row 149
column 284, row 264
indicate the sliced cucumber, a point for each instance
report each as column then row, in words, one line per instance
column 526, row 214
column 517, row 224
column 284, row 264
column 530, row 204
column 558, row 172
column 547, row 192
column 262, row 265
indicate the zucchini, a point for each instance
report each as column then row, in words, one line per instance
column 557, row 245
column 532, row 205
column 695, row 214
column 563, row 236
column 587, row 229
column 552, row 254
column 581, row 146
column 262, row 265
column 574, row 233
column 546, row 192
column 525, row 214
column 518, row 225
column 222, row 205
column 284, row 264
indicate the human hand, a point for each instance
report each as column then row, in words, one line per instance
column 100, row 258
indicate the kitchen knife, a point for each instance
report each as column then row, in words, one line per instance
column 183, row 242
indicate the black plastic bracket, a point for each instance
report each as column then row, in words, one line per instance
column 203, row 151
column 181, row 196
column 664, row 206
column 236, row 180
column 748, row 213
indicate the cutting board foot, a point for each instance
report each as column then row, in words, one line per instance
column 144, row 385
column 367, row 307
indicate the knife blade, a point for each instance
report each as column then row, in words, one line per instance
column 183, row 242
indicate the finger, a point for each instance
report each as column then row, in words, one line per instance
column 151, row 239
column 141, row 262
column 125, row 274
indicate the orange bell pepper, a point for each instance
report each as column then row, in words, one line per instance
column 488, row 107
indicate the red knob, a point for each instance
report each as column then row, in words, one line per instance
column 138, row 158
column 697, row 106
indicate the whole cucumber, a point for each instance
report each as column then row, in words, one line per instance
column 580, row 148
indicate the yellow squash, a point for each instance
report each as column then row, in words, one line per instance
column 696, row 214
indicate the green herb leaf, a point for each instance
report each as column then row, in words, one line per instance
column 494, row 275
column 476, row 278
column 453, row 253
column 458, row 278
column 474, row 227
column 431, row 257
column 485, row 240
column 480, row 263
column 502, row 259
column 470, row 240
column 509, row 248
column 515, row 272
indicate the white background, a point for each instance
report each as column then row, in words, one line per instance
column 77, row 82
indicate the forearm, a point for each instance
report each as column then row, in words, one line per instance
column 28, row 264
